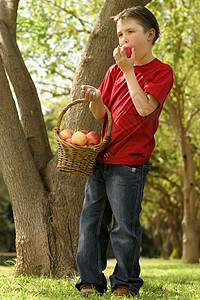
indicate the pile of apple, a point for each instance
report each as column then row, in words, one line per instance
column 80, row 138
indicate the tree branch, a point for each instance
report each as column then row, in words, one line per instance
column 28, row 101
column 16, row 162
column 191, row 115
column 161, row 164
column 8, row 14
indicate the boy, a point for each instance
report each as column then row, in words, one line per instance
column 134, row 90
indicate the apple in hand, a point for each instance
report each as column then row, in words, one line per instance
column 65, row 134
column 79, row 139
column 128, row 51
column 93, row 138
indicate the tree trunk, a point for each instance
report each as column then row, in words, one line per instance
column 24, row 186
column 46, row 203
column 190, row 241
column 28, row 102
column 190, row 224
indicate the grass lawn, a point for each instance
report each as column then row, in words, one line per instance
column 163, row 279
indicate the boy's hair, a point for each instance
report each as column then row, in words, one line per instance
column 143, row 15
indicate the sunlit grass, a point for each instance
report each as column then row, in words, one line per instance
column 163, row 279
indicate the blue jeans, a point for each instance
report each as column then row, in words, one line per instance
column 112, row 193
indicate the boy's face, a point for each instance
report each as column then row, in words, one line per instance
column 132, row 34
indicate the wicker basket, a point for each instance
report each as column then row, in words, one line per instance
column 78, row 160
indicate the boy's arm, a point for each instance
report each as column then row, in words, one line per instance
column 96, row 105
column 144, row 104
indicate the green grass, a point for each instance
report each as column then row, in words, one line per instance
column 163, row 279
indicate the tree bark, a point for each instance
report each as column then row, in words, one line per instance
column 25, row 188
column 190, row 224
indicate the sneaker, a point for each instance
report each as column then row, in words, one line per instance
column 88, row 289
column 123, row 291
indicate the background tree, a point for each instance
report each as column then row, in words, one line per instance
column 179, row 47
column 46, row 203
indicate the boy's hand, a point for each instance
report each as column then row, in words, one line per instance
column 96, row 105
column 90, row 93
column 123, row 62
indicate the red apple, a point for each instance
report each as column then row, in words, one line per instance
column 69, row 140
column 79, row 139
column 93, row 138
column 128, row 51
column 84, row 131
column 65, row 134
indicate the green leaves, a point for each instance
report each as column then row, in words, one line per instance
column 51, row 36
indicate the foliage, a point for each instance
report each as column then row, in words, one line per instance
column 178, row 46
column 51, row 36
column 170, row 279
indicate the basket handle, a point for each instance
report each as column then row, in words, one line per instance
column 66, row 108
column 106, row 137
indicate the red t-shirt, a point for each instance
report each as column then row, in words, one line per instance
column 132, row 136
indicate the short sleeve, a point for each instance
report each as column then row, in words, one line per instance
column 161, row 84
column 106, row 87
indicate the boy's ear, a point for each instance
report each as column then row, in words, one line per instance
column 152, row 33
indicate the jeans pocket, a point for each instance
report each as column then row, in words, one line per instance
column 131, row 168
